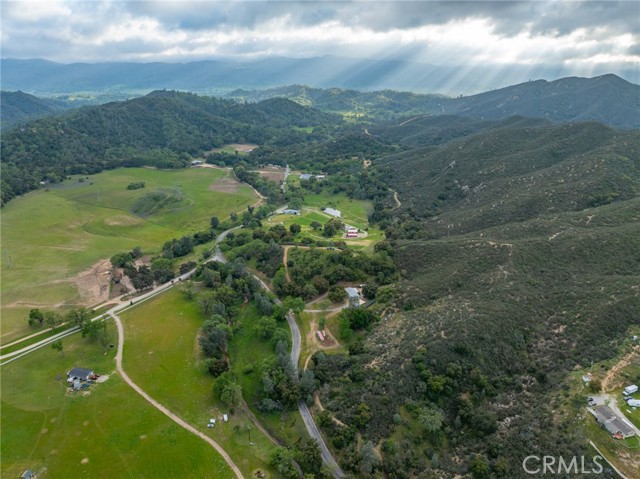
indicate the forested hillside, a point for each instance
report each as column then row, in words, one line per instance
column 162, row 129
column 518, row 243
column 18, row 107
column 607, row 99
column 513, row 172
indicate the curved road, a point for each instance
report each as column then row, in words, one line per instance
column 295, row 357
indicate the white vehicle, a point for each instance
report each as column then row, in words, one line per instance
column 225, row 418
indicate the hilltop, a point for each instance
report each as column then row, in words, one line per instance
column 19, row 107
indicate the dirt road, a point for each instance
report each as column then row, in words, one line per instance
column 160, row 407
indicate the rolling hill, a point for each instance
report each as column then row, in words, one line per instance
column 19, row 107
column 162, row 129
column 606, row 99
column 518, row 242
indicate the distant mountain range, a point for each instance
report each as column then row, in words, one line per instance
column 607, row 99
column 215, row 76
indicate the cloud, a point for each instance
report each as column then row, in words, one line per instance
column 537, row 32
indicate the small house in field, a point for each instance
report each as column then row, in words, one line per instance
column 352, row 232
column 333, row 212
column 305, row 176
column 321, row 336
column 79, row 373
column 354, row 297
column 630, row 390
column 291, row 212
column 196, row 163
column 28, row 474
column 633, row 402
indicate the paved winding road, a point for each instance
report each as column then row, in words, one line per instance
column 295, row 357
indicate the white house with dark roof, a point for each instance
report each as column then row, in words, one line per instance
column 79, row 373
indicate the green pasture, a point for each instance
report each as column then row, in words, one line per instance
column 50, row 236
column 246, row 352
column 162, row 355
column 111, row 432
column 354, row 212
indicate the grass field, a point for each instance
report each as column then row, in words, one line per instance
column 246, row 352
column 354, row 212
column 50, row 237
column 162, row 355
column 112, row 432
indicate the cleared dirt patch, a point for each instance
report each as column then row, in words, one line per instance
column 93, row 283
column 225, row 185
column 272, row 174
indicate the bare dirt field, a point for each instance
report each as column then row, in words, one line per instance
column 240, row 147
column 273, row 174
column 225, row 185
column 93, row 283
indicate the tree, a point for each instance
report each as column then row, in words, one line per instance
column 78, row 316
column 430, row 419
column 162, row 269
column 282, row 461
column 214, row 222
column 337, row 294
column 231, row 395
column 120, row 260
column 368, row 458
column 479, row 468
column 294, row 303
column 51, row 319
column 36, row 318
column 143, row 278
column 266, row 326
column 227, row 389
column 188, row 290
column 308, row 455
column 316, row 225
column 57, row 346
column 136, row 252
column 295, row 228
column 95, row 330
column 216, row 366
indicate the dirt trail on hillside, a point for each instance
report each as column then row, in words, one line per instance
column 607, row 382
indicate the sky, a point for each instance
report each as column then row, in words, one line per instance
column 577, row 36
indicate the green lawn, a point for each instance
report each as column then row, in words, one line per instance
column 48, row 237
column 162, row 355
column 114, row 431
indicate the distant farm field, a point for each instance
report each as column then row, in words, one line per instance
column 53, row 240
column 107, row 431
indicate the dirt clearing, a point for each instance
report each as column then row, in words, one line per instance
column 225, row 185
column 93, row 283
column 272, row 174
